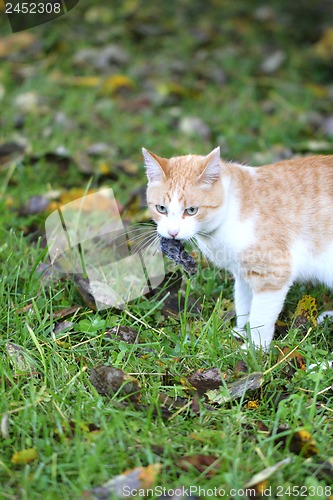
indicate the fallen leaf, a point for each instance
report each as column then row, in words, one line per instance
column 108, row 381
column 294, row 362
column 172, row 403
column 253, row 405
column 306, row 311
column 140, row 478
column 70, row 429
column 115, row 84
column 65, row 311
column 324, row 47
column 205, row 464
column 261, row 426
column 237, row 388
column 303, row 444
column 83, row 286
column 10, row 151
column 207, row 379
column 85, row 81
column 24, row 456
column 122, row 332
column 62, row 326
column 240, row 368
column 20, row 358
column 262, row 476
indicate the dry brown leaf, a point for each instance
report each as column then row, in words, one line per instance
column 302, row 443
column 262, row 476
column 240, row 368
column 134, row 479
column 294, row 361
column 108, row 381
column 66, row 311
column 207, row 379
column 237, row 388
column 205, row 464
column 122, row 332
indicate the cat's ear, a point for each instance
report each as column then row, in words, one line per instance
column 155, row 166
column 212, row 167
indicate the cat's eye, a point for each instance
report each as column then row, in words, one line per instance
column 161, row 209
column 191, row 210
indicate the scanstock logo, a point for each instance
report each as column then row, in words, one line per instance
column 87, row 237
column 23, row 15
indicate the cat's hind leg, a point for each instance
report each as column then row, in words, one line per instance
column 265, row 310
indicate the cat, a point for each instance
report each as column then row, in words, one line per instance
column 270, row 226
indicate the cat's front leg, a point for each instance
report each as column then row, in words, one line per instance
column 265, row 309
column 242, row 300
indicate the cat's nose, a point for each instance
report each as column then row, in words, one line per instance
column 173, row 232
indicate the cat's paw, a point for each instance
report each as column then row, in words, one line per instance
column 239, row 334
column 322, row 316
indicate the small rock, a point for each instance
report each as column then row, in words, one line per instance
column 61, row 119
column 100, row 148
column 28, row 102
column 102, row 59
column 35, row 205
column 273, row 62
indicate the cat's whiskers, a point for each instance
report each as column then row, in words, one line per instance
column 155, row 242
column 144, row 242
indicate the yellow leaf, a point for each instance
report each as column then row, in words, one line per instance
column 253, row 405
column 104, row 168
column 307, row 308
column 324, row 48
column 115, row 83
column 303, row 443
column 24, row 456
column 317, row 90
column 148, row 475
column 86, row 81
column 166, row 89
column 261, row 487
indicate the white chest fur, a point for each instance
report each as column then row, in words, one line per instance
column 231, row 237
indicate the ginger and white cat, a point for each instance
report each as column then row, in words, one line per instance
column 270, row 226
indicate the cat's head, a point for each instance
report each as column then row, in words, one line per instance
column 184, row 193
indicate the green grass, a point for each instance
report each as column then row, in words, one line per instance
column 254, row 117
